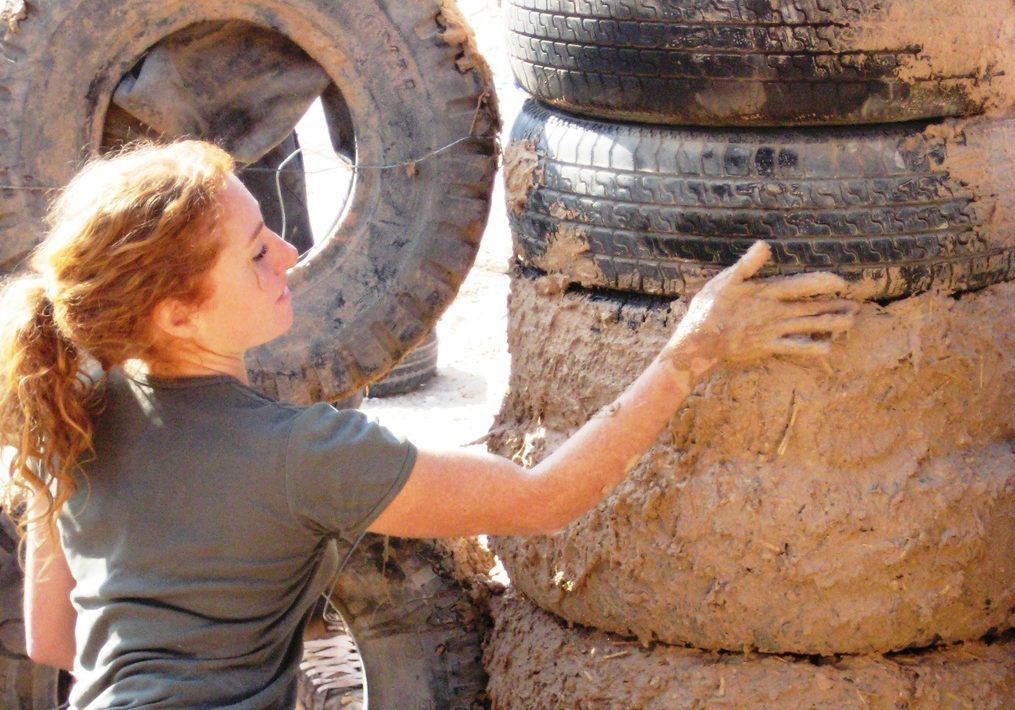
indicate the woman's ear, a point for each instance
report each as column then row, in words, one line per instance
column 175, row 319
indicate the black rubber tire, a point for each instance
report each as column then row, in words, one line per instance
column 24, row 685
column 895, row 209
column 419, row 633
column 414, row 370
column 413, row 85
column 756, row 62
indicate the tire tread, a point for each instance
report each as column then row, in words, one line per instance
column 664, row 63
column 663, row 208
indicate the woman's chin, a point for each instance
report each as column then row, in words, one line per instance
column 285, row 326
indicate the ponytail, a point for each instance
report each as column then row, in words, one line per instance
column 127, row 232
column 44, row 399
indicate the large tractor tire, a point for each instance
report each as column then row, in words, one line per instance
column 895, row 210
column 765, row 62
column 423, row 113
column 416, row 632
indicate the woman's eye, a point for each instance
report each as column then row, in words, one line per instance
column 260, row 254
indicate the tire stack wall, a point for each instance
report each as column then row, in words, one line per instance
column 790, row 507
column 836, row 533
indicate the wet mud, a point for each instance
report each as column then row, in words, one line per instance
column 536, row 662
column 959, row 51
column 520, row 161
column 863, row 503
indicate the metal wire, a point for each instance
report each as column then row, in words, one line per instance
column 344, row 165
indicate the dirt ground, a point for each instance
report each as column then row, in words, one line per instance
column 457, row 407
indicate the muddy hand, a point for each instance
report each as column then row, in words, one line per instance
column 737, row 319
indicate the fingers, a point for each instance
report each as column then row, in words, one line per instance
column 809, row 285
column 749, row 264
column 808, row 325
column 799, row 309
column 800, row 346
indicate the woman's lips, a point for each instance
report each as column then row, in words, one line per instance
column 286, row 293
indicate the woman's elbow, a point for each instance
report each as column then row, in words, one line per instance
column 39, row 653
column 527, row 520
column 42, row 646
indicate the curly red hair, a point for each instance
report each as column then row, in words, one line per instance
column 127, row 232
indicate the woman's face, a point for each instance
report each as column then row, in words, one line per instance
column 250, row 302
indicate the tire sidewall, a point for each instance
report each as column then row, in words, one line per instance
column 407, row 237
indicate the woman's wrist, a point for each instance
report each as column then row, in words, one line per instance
column 694, row 354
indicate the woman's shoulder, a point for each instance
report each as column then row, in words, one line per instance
column 217, row 398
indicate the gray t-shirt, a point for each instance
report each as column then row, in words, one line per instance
column 198, row 540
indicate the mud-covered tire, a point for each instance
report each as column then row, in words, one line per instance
column 24, row 685
column 416, row 90
column 749, row 63
column 415, row 369
column 895, row 209
column 536, row 660
column 860, row 503
column 419, row 633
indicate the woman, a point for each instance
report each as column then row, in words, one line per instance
column 179, row 518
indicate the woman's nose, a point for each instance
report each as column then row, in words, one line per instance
column 287, row 255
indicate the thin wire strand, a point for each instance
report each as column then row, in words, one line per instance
column 356, row 167
column 345, row 165
column 278, row 184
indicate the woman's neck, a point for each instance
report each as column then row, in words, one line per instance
column 195, row 367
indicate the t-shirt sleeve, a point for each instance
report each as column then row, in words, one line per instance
column 342, row 469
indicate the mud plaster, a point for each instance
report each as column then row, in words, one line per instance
column 979, row 153
column 566, row 244
column 863, row 503
column 469, row 557
column 536, row 662
column 520, row 161
column 964, row 47
column 457, row 32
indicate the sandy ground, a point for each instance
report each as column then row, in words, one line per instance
column 457, row 407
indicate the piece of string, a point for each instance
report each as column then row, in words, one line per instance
column 356, row 167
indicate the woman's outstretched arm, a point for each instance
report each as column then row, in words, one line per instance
column 733, row 318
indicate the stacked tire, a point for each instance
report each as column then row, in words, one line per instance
column 831, row 534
